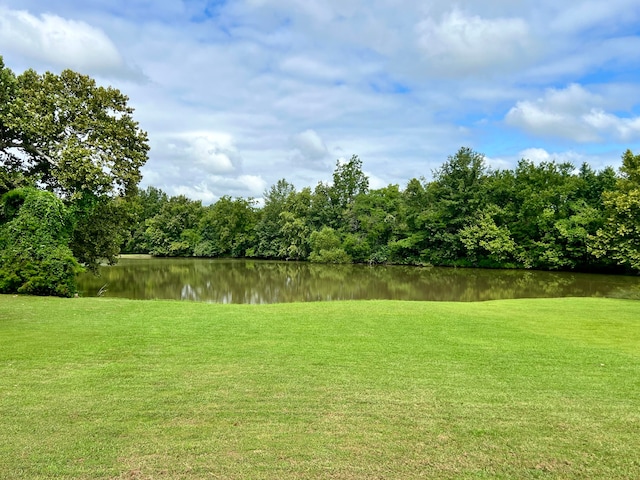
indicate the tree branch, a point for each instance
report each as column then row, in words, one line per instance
column 29, row 149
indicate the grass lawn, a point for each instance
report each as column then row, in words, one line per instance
column 119, row 389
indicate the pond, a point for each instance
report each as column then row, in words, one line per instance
column 259, row 281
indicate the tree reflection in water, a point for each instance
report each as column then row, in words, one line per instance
column 257, row 281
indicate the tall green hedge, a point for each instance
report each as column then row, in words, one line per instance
column 34, row 254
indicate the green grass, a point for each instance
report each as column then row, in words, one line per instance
column 118, row 389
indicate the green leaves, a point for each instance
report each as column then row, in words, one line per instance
column 326, row 247
column 485, row 241
column 173, row 231
column 35, row 257
column 76, row 136
column 619, row 237
column 348, row 182
column 66, row 134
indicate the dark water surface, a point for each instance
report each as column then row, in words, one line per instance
column 257, row 281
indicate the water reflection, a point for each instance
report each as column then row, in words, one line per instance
column 255, row 282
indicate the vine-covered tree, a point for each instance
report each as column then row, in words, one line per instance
column 34, row 254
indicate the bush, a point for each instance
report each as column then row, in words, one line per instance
column 35, row 256
column 326, row 247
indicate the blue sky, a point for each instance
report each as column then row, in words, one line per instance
column 238, row 94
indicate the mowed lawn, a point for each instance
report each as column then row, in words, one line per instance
column 119, row 389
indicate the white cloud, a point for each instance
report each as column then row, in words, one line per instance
column 539, row 155
column 215, row 186
column 375, row 182
column 61, row 42
column 308, row 67
column 595, row 14
column 309, row 146
column 211, row 152
column 572, row 113
column 461, row 43
column 268, row 89
column 196, row 192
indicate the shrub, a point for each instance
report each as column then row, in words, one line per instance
column 35, row 256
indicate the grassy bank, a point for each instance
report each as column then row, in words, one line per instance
column 101, row 388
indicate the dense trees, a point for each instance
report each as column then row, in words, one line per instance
column 78, row 141
column 546, row 216
column 226, row 228
column 619, row 237
column 70, row 159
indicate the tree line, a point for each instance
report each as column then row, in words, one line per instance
column 70, row 160
column 544, row 215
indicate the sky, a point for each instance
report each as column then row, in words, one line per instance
column 238, row 94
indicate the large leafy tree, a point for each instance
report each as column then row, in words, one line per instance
column 349, row 181
column 456, row 195
column 173, row 232
column 226, row 228
column 295, row 225
column 66, row 134
column 70, row 134
column 270, row 243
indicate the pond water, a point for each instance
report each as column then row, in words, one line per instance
column 258, row 281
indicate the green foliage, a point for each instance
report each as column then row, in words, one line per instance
column 11, row 202
column 322, row 212
column 549, row 212
column 456, row 195
column 268, row 228
column 542, row 216
column 376, row 218
column 173, row 232
column 619, row 237
column 66, row 134
column 326, row 247
column 348, row 182
column 73, row 136
column 144, row 206
column 486, row 243
column 226, row 228
column 100, row 226
column 34, row 256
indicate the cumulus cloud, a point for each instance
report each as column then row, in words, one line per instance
column 572, row 113
column 309, row 147
column 266, row 89
column 202, row 165
column 210, row 152
column 461, row 43
column 540, row 155
column 199, row 192
column 61, row 42
column 213, row 187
